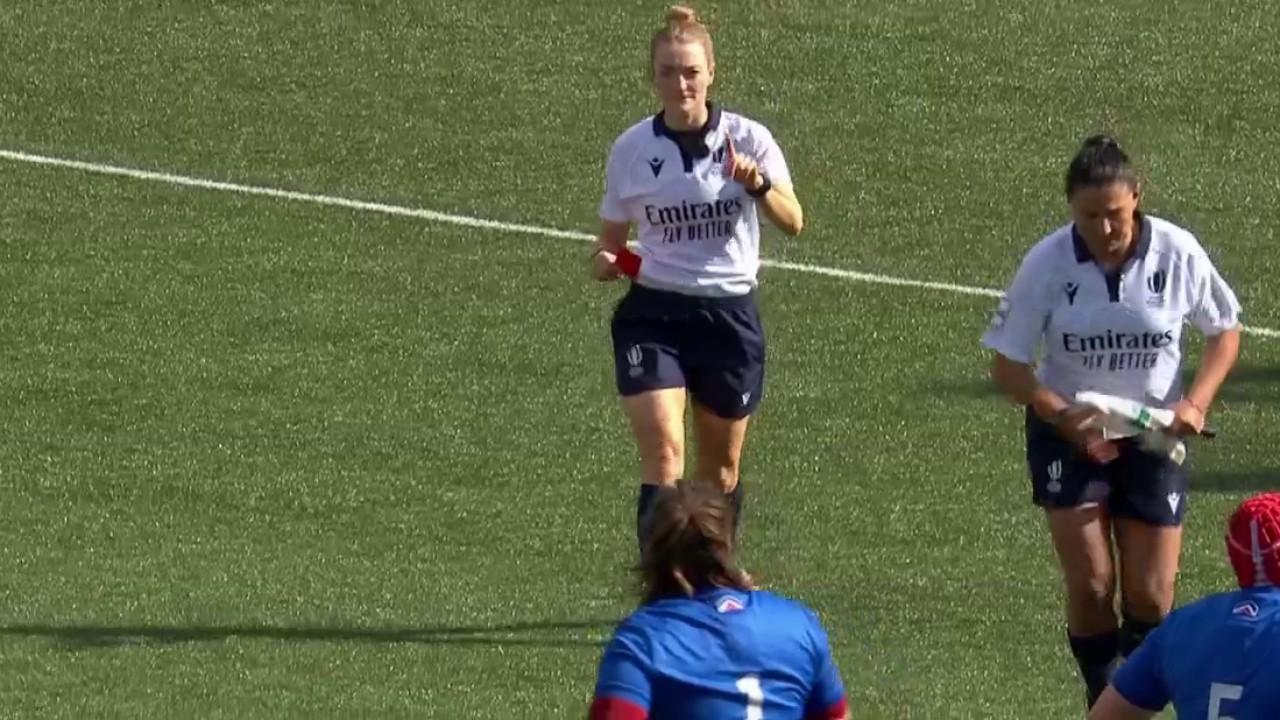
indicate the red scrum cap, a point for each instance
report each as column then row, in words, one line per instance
column 1253, row 540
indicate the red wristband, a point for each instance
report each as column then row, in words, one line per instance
column 628, row 262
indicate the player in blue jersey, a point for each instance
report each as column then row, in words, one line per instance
column 695, row 181
column 1218, row 658
column 705, row 645
column 1100, row 305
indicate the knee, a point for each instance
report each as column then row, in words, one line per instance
column 720, row 470
column 1149, row 600
column 1092, row 592
column 663, row 459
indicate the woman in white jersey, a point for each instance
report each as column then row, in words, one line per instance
column 694, row 180
column 1108, row 296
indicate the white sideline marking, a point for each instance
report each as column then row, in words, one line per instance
column 467, row 221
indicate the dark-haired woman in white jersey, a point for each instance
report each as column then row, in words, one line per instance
column 1108, row 296
column 694, row 180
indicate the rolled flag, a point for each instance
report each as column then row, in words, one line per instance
column 1124, row 418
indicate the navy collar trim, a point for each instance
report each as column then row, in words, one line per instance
column 1144, row 243
column 693, row 144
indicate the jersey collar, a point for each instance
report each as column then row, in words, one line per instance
column 1144, row 243
column 692, row 143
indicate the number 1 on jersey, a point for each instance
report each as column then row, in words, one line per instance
column 749, row 685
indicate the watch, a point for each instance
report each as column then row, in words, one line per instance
column 761, row 191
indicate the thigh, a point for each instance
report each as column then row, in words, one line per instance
column 1082, row 542
column 723, row 356
column 718, row 444
column 657, row 423
column 1148, row 566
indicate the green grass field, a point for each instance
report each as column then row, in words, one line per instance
column 263, row 458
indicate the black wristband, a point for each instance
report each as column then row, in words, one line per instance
column 761, row 191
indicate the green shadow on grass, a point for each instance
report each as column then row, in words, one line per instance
column 527, row 634
column 1236, row 481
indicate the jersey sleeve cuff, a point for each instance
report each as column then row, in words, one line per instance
column 616, row 708
column 836, row 711
column 1147, row 701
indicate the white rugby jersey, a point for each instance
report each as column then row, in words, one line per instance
column 1119, row 334
column 698, row 230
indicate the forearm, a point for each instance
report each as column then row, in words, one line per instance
column 783, row 209
column 1020, row 385
column 610, row 242
column 1220, row 353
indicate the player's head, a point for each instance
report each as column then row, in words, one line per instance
column 690, row 542
column 1103, row 190
column 682, row 60
column 1253, row 540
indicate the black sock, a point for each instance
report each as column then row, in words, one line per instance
column 1132, row 632
column 1097, row 656
column 735, row 497
column 644, row 504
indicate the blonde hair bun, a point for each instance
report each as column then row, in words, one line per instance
column 680, row 14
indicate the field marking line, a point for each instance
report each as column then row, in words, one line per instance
column 475, row 222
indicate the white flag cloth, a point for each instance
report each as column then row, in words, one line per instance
column 1123, row 418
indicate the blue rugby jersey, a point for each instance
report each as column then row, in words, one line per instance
column 1218, row 657
column 720, row 654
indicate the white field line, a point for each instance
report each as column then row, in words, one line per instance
column 467, row 221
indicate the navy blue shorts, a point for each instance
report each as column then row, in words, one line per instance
column 1137, row 484
column 714, row 346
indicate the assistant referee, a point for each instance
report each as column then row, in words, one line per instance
column 1107, row 295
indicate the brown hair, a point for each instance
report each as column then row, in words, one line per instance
column 1099, row 162
column 681, row 24
column 690, row 543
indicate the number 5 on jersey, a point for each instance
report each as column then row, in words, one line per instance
column 1218, row 692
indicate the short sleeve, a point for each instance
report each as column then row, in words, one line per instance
column 828, row 690
column 1021, row 315
column 1139, row 679
column 1215, row 308
column 622, row 673
column 770, row 158
column 612, row 209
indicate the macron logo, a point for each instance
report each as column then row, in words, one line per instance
column 1174, row 498
column 656, row 166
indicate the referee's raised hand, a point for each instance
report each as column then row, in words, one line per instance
column 741, row 168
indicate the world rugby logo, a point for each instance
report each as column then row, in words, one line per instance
column 1156, row 282
column 635, row 356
